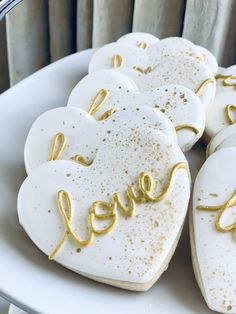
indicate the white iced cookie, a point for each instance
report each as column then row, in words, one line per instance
column 145, row 40
column 82, row 218
column 118, row 54
column 175, row 70
column 229, row 142
column 70, row 133
column 220, row 69
column 174, row 46
column 222, row 111
column 121, row 54
column 144, row 50
column 138, row 39
column 212, row 229
column 179, row 104
column 224, row 138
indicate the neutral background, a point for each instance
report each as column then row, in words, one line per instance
column 36, row 33
column 3, row 306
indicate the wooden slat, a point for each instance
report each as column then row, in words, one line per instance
column 84, row 24
column 62, row 28
column 162, row 18
column 4, row 77
column 111, row 19
column 27, row 38
column 212, row 24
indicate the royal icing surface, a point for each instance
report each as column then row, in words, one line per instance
column 83, row 134
column 178, row 103
column 138, row 39
column 176, row 70
column 136, row 249
column 139, row 56
column 225, row 138
column 229, row 142
column 150, row 50
column 213, row 230
column 222, row 111
column 208, row 59
column 174, row 46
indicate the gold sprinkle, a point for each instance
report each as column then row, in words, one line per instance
column 200, row 58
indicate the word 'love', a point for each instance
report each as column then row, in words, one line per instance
column 145, row 194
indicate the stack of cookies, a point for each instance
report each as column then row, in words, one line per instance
column 108, row 185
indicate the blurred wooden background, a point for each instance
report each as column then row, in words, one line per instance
column 36, row 33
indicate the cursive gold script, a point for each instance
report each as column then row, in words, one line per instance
column 229, row 109
column 145, row 194
column 228, row 80
column 59, row 146
column 221, row 210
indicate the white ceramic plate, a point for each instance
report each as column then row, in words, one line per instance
column 27, row 278
column 15, row 310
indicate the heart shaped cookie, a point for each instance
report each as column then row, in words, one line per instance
column 225, row 138
column 102, row 90
column 180, row 70
column 222, row 111
column 117, row 221
column 122, row 54
column 145, row 40
column 213, row 230
column 71, row 133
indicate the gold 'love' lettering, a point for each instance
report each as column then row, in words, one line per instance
column 222, row 208
column 227, row 79
column 98, row 102
column 59, row 146
column 143, row 45
column 117, row 61
column 204, row 84
column 110, row 209
column 144, row 71
column 229, row 109
column 188, row 127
